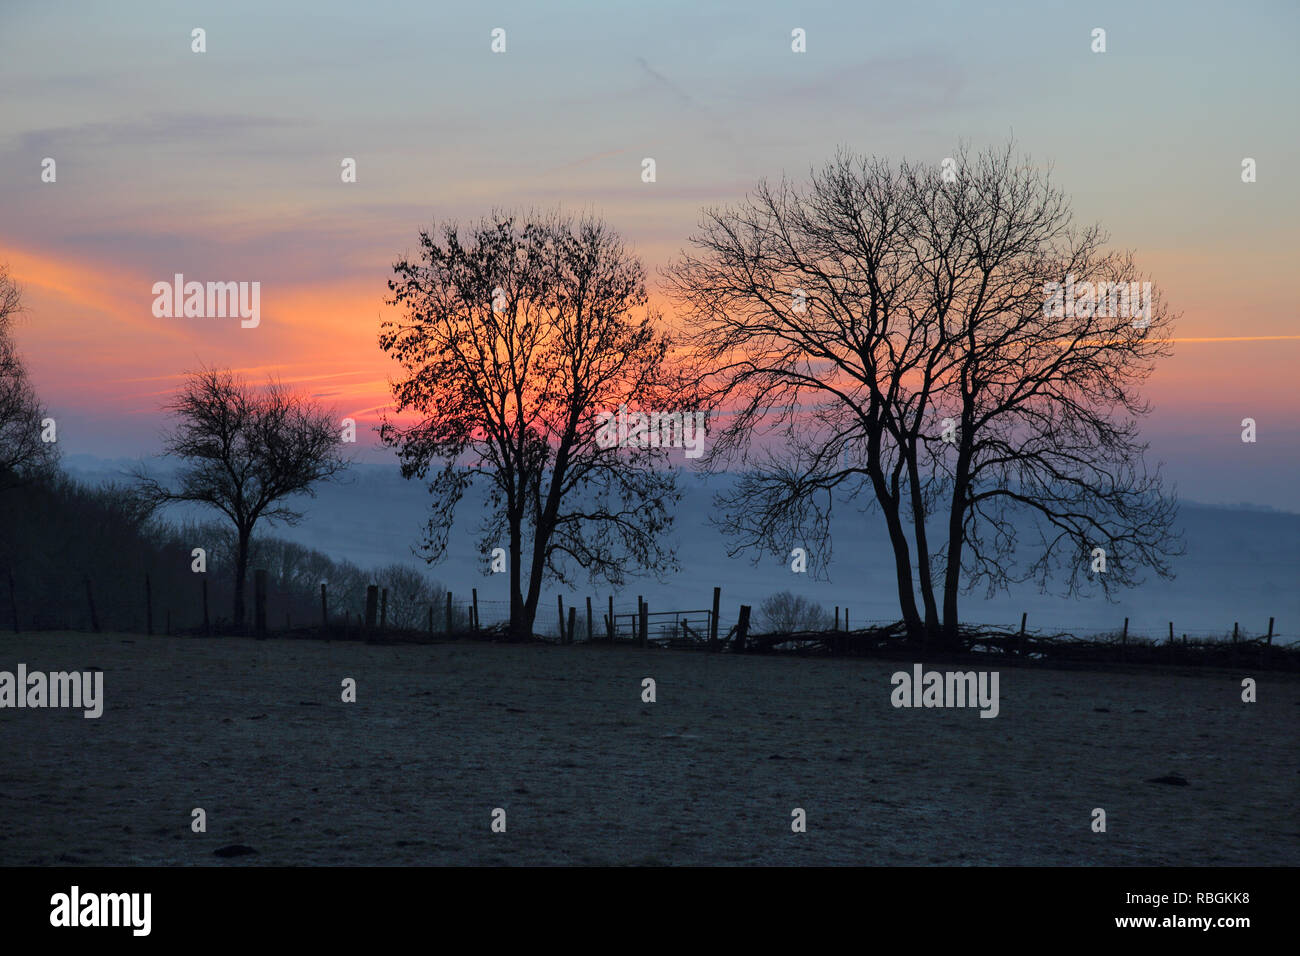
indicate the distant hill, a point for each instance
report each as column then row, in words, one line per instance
column 1242, row 563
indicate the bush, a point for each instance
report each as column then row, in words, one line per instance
column 787, row 613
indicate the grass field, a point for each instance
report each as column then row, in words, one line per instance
column 256, row 734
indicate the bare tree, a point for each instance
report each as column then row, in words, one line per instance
column 246, row 451
column 518, row 341
column 1046, row 337
column 788, row 613
column 24, row 455
column 895, row 327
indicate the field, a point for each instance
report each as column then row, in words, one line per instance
column 256, row 734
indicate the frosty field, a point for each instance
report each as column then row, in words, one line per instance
column 256, row 734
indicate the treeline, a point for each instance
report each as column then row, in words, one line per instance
column 73, row 556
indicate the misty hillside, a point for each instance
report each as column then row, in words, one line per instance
column 1241, row 563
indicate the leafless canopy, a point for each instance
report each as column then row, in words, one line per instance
column 24, row 456
column 897, row 331
column 516, row 337
column 246, row 452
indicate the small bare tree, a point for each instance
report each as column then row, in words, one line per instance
column 788, row 613
column 246, row 451
column 518, row 340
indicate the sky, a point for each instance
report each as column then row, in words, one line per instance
column 225, row 166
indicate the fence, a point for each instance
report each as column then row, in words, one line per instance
column 178, row 610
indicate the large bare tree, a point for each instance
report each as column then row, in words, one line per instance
column 893, row 328
column 245, row 452
column 519, row 337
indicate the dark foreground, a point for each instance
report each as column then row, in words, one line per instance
column 255, row 733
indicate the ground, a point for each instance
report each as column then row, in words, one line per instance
column 257, row 735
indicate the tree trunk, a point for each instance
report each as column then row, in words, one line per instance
column 902, row 563
column 922, row 550
column 952, row 575
column 519, row 626
column 241, row 574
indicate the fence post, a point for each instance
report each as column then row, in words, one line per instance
column 713, row 621
column 846, row 621
column 90, row 599
column 475, row 596
column 1171, row 632
column 559, row 603
column 837, row 617
column 1024, row 616
column 259, row 603
column 588, row 619
column 644, row 637
column 372, row 601
column 573, row 622
column 742, row 629
column 609, row 622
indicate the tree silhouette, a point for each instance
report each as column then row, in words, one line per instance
column 246, row 451
column 24, row 455
column 893, row 326
column 515, row 339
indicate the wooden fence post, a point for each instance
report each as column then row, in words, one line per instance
column 1171, row 632
column 609, row 622
column 644, row 638
column 474, row 592
column 573, row 621
column 559, row 604
column 1024, row 616
column 259, row 603
column 90, row 600
column 588, row 619
column 742, row 630
column 713, row 621
column 837, row 617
